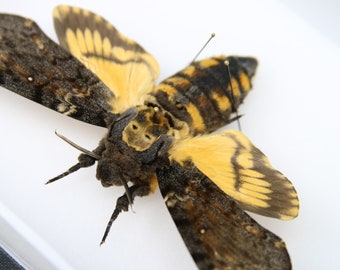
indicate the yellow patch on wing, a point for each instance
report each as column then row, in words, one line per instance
column 241, row 170
column 123, row 65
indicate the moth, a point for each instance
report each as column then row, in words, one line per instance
column 158, row 135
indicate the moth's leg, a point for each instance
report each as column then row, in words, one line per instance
column 123, row 202
column 84, row 161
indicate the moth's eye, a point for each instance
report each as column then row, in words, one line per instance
column 134, row 127
column 147, row 137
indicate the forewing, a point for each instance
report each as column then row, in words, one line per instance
column 122, row 64
column 35, row 67
column 242, row 171
column 217, row 232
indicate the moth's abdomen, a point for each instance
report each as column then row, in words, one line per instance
column 201, row 94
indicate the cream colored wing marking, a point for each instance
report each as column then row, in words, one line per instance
column 242, row 171
column 122, row 64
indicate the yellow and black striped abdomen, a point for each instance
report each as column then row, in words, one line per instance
column 201, row 93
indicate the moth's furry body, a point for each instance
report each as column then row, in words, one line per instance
column 158, row 135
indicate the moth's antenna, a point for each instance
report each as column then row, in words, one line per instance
column 205, row 45
column 78, row 165
column 69, row 171
column 81, row 149
column 232, row 97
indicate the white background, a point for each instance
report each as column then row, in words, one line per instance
column 292, row 115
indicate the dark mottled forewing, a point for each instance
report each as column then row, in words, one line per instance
column 217, row 232
column 35, row 67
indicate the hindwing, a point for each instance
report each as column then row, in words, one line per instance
column 242, row 171
column 121, row 63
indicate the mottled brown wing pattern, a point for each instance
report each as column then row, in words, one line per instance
column 217, row 232
column 33, row 66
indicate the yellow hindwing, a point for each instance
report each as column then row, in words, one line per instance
column 121, row 63
column 242, row 171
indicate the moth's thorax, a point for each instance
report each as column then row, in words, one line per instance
column 137, row 143
column 150, row 123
